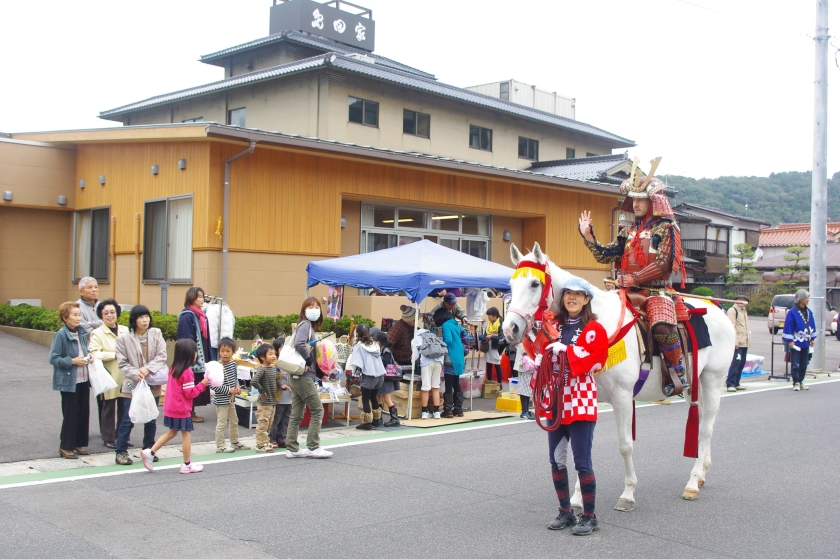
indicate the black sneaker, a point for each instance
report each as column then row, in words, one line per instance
column 585, row 526
column 563, row 520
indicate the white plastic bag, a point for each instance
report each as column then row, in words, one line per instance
column 143, row 406
column 100, row 379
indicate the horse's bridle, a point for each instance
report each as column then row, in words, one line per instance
column 539, row 271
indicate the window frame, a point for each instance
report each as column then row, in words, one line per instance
column 230, row 115
column 365, row 103
column 417, row 115
column 572, row 151
column 167, row 278
column 107, row 278
column 480, row 129
column 528, row 142
column 504, row 95
column 458, row 236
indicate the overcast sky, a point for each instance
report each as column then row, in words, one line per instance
column 716, row 87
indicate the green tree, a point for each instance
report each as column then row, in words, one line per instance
column 741, row 266
column 789, row 275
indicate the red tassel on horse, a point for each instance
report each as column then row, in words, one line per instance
column 692, row 431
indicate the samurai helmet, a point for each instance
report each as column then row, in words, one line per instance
column 639, row 185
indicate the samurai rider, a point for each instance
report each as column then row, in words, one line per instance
column 646, row 253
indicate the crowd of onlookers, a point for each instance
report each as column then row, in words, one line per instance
column 135, row 358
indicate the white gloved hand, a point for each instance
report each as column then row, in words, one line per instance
column 538, row 360
column 556, row 347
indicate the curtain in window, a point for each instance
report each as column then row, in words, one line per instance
column 99, row 249
column 83, row 240
column 180, row 239
column 154, row 245
column 367, row 215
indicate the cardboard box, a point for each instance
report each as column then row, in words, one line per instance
column 490, row 390
column 400, row 399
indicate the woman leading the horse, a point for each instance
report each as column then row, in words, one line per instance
column 580, row 351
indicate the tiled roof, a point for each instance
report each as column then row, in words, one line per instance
column 327, row 45
column 793, row 234
column 582, row 168
column 723, row 213
column 378, row 71
column 684, row 216
column 832, row 259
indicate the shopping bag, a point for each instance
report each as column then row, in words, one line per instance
column 100, row 379
column 143, row 406
column 159, row 377
column 290, row 360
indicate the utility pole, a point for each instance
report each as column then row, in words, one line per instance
column 819, row 184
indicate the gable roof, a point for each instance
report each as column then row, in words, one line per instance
column 722, row 212
column 309, row 40
column 793, row 234
column 344, row 63
column 832, row 259
column 595, row 168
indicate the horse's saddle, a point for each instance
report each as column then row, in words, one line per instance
column 639, row 299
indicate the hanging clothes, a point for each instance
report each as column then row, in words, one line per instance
column 221, row 322
column 476, row 304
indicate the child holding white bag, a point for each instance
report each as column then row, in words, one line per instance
column 180, row 391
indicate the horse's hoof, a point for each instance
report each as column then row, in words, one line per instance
column 701, row 483
column 624, row 505
column 690, row 494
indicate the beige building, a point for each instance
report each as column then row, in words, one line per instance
column 367, row 154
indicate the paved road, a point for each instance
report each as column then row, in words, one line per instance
column 467, row 493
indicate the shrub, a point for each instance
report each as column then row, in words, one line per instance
column 703, row 291
column 247, row 327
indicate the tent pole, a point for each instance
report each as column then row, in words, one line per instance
column 413, row 365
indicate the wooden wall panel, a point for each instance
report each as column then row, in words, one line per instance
column 129, row 183
column 287, row 202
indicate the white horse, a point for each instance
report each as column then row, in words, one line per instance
column 615, row 385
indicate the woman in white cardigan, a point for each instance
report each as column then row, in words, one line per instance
column 140, row 352
column 103, row 346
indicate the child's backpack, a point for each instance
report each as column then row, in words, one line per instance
column 431, row 346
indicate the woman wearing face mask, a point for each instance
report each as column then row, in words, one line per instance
column 305, row 386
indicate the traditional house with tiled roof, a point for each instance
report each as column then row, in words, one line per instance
column 776, row 240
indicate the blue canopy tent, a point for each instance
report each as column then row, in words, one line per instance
column 417, row 269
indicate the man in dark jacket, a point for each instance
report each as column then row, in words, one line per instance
column 401, row 334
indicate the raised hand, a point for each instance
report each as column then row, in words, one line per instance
column 585, row 226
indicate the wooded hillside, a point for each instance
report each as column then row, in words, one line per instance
column 779, row 198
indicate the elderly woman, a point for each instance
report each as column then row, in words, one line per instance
column 70, row 359
column 193, row 325
column 140, row 352
column 799, row 335
column 103, row 346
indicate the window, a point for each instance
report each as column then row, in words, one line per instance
column 481, row 138
column 590, row 154
column 529, row 149
column 363, row 112
column 390, row 226
column 504, row 91
column 91, row 244
column 236, row 117
column 201, row 118
column 570, row 153
column 167, row 240
column 416, row 124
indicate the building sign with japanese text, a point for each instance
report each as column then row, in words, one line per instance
column 358, row 30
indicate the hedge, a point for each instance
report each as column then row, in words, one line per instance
column 247, row 327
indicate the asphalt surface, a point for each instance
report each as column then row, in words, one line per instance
column 484, row 492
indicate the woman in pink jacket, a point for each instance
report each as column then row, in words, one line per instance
column 180, row 391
